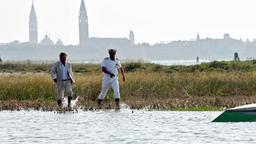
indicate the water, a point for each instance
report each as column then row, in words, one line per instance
column 126, row 126
column 179, row 62
column 161, row 62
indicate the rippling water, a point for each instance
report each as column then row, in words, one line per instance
column 126, row 126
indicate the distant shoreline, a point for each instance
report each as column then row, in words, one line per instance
column 164, row 62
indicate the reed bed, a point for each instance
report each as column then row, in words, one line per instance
column 161, row 90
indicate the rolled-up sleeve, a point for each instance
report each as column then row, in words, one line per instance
column 104, row 63
column 119, row 64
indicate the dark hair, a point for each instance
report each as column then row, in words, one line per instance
column 111, row 51
column 63, row 54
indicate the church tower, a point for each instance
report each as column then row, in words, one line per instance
column 197, row 37
column 131, row 37
column 83, row 26
column 33, row 34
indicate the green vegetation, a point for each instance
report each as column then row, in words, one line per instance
column 222, row 66
column 209, row 86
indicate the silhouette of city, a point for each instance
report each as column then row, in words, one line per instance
column 95, row 48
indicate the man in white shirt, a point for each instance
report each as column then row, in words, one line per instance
column 62, row 75
column 110, row 66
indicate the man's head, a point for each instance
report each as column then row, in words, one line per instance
column 112, row 53
column 63, row 57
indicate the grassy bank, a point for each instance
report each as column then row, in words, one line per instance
column 212, row 86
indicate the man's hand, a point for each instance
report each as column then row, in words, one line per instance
column 55, row 80
column 124, row 79
column 72, row 82
column 111, row 75
column 107, row 72
column 122, row 71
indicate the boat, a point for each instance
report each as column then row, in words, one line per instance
column 245, row 113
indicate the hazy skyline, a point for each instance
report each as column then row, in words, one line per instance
column 151, row 20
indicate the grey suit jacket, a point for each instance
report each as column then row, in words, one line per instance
column 56, row 72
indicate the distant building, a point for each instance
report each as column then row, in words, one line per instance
column 131, row 37
column 33, row 33
column 84, row 40
column 94, row 48
column 109, row 43
column 47, row 41
column 197, row 59
column 198, row 37
column 226, row 36
column 59, row 43
column 83, row 26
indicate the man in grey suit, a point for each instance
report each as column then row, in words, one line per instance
column 62, row 75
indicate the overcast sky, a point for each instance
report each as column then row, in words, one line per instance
column 151, row 20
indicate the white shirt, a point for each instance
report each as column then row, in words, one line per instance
column 65, row 74
column 111, row 66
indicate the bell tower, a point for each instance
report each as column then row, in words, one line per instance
column 33, row 33
column 131, row 37
column 83, row 26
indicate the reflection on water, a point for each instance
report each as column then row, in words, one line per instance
column 126, row 126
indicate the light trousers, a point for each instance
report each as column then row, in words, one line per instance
column 62, row 87
column 106, row 84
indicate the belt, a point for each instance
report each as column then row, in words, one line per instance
column 65, row 79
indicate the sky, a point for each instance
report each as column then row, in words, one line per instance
column 152, row 21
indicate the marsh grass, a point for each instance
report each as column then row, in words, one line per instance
column 201, row 87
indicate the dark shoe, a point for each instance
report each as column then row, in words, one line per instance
column 100, row 101
column 69, row 101
column 117, row 104
column 59, row 102
column 69, row 108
